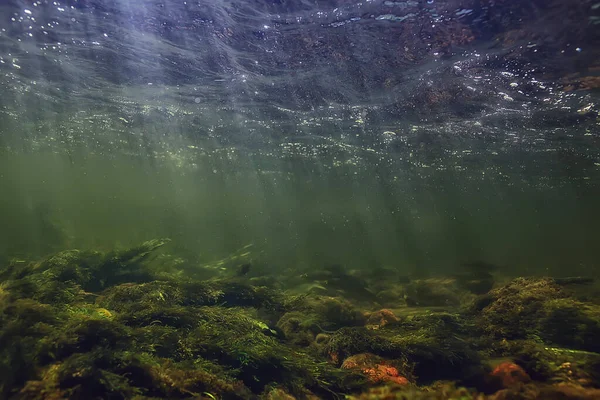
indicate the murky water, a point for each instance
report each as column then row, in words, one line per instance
column 415, row 135
column 299, row 199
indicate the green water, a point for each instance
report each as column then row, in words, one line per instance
column 305, row 214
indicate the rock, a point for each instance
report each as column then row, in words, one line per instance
column 381, row 318
column 510, row 374
column 376, row 369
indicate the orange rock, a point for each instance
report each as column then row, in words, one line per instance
column 375, row 368
column 388, row 373
column 510, row 374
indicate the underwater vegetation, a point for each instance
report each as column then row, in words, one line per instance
column 129, row 324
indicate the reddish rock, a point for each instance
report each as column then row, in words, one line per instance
column 510, row 374
column 377, row 369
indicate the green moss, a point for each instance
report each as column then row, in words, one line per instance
column 317, row 314
column 298, row 328
column 133, row 297
column 442, row 391
column 567, row 322
column 85, row 324
column 82, row 335
column 427, row 346
column 540, row 309
column 515, row 308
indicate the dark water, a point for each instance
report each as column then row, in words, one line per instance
column 415, row 135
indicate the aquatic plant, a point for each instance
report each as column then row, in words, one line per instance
column 82, row 324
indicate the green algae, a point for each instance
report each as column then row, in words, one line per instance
column 127, row 324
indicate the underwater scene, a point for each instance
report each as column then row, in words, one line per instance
column 300, row 199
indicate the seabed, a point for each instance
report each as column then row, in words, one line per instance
column 140, row 323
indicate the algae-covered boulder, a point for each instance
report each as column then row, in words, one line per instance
column 540, row 309
column 298, row 328
column 163, row 293
column 318, row 314
column 59, row 278
column 428, row 348
column 550, row 364
column 514, row 310
column 112, row 375
column 570, row 323
column 66, row 276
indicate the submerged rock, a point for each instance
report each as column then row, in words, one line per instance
column 528, row 307
column 509, row 374
column 376, row 369
column 381, row 318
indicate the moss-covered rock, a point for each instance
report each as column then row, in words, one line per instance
column 540, row 309
column 428, row 346
column 570, row 323
column 318, row 314
column 513, row 310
